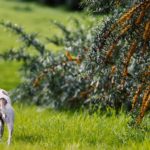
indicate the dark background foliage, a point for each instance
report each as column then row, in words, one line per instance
column 70, row 4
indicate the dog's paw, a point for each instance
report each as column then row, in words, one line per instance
column 8, row 142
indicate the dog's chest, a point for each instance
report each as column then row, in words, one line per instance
column 3, row 113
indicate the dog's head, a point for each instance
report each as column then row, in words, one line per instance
column 3, row 102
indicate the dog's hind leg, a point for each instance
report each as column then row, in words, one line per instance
column 1, row 128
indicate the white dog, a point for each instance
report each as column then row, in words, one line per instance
column 6, row 114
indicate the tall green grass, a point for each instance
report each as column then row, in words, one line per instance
column 40, row 129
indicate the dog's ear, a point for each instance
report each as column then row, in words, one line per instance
column 5, row 93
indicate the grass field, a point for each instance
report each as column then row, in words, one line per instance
column 33, row 18
column 43, row 129
column 39, row 129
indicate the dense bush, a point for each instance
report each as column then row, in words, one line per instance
column 118, row 63
column 50, row 79
column 102, row 6
column 106, row 68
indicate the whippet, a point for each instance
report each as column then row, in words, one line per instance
column 6, row 115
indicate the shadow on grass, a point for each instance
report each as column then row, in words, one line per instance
column 32, row 139
column 23, row 9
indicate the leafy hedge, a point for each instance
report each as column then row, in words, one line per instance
column 119, row 60
column 102, row 6
column 50, row 79
column 107, row 66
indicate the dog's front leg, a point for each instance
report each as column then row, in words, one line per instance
column 1, row 128
column 10, row 131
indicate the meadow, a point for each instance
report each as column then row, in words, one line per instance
column 44, row 129
column 38, row 128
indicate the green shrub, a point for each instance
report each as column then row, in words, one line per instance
column 105, row 68
column 102, row 6
column 50, row 79
column 118, row 63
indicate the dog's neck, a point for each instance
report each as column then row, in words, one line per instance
column 2, row 114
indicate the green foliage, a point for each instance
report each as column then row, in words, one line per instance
column 63, row 87
column 119, row 60
column 102, row 6
column 107, row 68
